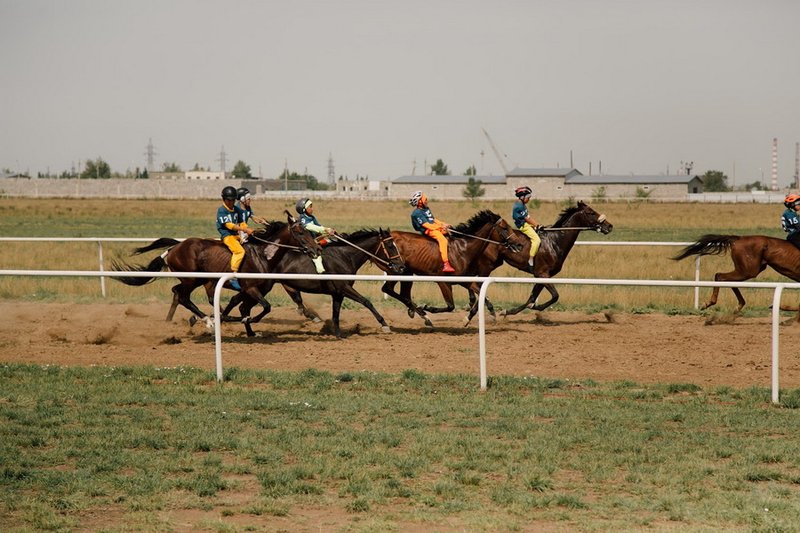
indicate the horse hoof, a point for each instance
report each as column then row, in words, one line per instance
column 209, row 323
column 386, row 329
column 245, row 320
column 428, row 323
column 502, row 313
column 299, row 311
column 316, row 320
column 410, row 312
column 192, row 320
column 466, row 321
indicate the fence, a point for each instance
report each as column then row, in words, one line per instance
column 485, row 282
column 101, row 240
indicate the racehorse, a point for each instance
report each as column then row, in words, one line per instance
column 264, row 251
column 344, row 254
column 557, row 242
column 751, row 255
column 484, row 231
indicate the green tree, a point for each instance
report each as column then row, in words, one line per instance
column 241, row 170
column 473, row 190
column 97, row 169
column 715, row 181
column 440, row 169
column 144, row 175
column 471, row 171
column 171, row 167
column 197, row 167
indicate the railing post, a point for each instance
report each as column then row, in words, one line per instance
column 102, row 278
column 218, row 322
column 776, row 313
column 482, row 331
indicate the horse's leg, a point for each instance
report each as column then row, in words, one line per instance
column 184, row 292
column 297, row 298
column 336, row 308
column 174, row 304
column 531, row 303
column 350, row 292
column 253, row 294
column 404, row 297
column 447, row 294
column 474, row 292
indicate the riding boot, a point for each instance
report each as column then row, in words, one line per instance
column 235, row 284
column 318, row 264
column 448, row 268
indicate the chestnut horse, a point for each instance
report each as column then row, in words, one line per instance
column 264, row 251
column 751, row 255
column 484, row 231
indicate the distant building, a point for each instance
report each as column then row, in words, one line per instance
column 206, row 175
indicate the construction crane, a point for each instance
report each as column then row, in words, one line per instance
column 496, row 152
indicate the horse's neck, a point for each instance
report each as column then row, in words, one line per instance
column 355, row 258
column 476, row 247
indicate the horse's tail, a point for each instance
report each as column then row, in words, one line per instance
column 708, row 245
column 158, row 244
column 156, row 265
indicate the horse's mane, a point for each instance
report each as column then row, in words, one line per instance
column 271, row 229
column 356, row 236
column 477, row 221
column 565, row 215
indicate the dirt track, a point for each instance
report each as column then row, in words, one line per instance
column 642, row 348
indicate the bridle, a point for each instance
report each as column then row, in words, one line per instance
column 302, row 248
column 381, row 246
column 504, row 234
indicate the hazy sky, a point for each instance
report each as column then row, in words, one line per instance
column 639, row 85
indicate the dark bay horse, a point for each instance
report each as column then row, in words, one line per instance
column 264, row 251
column 751, row 255
column 343, row 255
column 484, row 230
column 557, row 242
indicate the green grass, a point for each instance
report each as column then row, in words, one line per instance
column 145, row 443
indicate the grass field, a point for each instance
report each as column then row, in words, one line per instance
column 151, row 449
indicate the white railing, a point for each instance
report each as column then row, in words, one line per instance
column 485, row 282
column 101, row 240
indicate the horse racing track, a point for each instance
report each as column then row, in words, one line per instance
column 644, row 348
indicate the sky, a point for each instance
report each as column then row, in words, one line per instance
column 385, row 88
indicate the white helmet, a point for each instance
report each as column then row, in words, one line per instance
column 415, row 198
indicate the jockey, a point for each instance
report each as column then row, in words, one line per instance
column 244, row 196
column 231, row 221
column 790, row 222
column 525, row 222
column 305, row 208
column 424, row 222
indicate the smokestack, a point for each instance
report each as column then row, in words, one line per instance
column 774, row 163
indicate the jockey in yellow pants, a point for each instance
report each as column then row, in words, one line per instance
column 525, row 222
column 230, row 221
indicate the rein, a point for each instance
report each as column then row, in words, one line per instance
column 373, row 256
column 289, row 246
column 451, row 230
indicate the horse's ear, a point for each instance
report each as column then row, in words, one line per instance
column 581, row 203
column 289, row 217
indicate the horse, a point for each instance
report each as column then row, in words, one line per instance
column 263, row 253
column 557, row 242
column 344, row 254
column 751, row 255
column 469, row 240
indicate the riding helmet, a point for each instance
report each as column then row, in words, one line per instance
column 415, row 198
column 302, row 204
column 790, row 200
column 229, row 193
column 522, row 192
column 242, row 193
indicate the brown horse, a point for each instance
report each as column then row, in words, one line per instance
column 264, row 252
column 751, row 255
column 484, row 231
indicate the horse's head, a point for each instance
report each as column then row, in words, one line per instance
column 391, row 252
column 505, row 234
column 304, row 238
column 588, row 217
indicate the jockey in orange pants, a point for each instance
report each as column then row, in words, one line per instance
column 424, row 222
